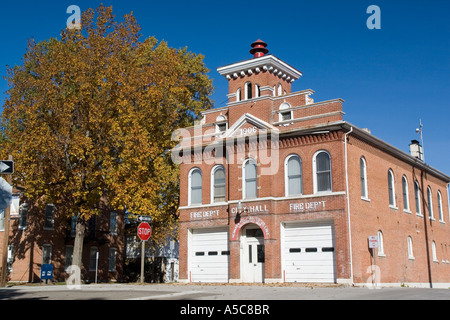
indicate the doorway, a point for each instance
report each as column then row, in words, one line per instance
column 252, row 254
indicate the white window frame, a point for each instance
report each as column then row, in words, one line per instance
column 189, row 186
column 315, row 182
column 365, row 195
column 441, row 211
column 380, row 244
column 410, row 248
column 46, row 247
column 430, row 203
column 246, row 93
column 391, row 188
column 213, row 171
column 417, row 199
column 286, row 175
column 244, row 191
column 405, row 196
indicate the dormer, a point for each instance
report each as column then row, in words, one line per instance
column 263, row 75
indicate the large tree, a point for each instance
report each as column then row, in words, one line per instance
column 89, row 118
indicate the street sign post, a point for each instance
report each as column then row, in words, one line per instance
column 144, row 232
column 373, row 243
column 6, row 167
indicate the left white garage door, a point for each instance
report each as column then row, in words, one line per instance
column 210, row 255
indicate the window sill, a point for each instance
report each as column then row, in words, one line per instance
column 365, row 199
column 393, row 207
column 407, row 211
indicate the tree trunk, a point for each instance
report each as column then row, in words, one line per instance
column 78, row 243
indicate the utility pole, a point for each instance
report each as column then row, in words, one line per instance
column 5, row 238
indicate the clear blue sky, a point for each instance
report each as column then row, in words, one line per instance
column 389, row 78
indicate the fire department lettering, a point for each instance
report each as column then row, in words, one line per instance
column 204, row 214
column 306, row 206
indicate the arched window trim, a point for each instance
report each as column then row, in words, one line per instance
column 244, row 178
column 213, row 172
column 190, row 186
column 430, row 203
column 363, row 178
column 380, row 244
column 405, row 194
column 417, row 198
column 391, row 189
column 315, row 182
column 286, row 175
column 441, row 211
column 238, row 95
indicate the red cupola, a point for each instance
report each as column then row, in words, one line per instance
column 259, row 48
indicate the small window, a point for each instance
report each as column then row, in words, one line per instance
column 250, row 180
column 113, row 223
column 441, row 213
column 212, row 253
column 225, row 253
column 257, row 91
column 286, row 115
column 23, row 211
column 218, row 184
column 68, row 257
column 200, row 253
column 46, row 254
column 295, row 250
column 417, row 198
column 238, row 95
column 195, row 180
column 311, row 250
column 405, row 194
column 322, row 172
column 248, row 91
column 93, row 258
column 49, row 220
column 410, row 249
column 430, row 203
column 363, row 175
column 328, row 249
column 112, row 259
column 391, row 188
column 221, row 127
column 260, row 252
column 380, row 243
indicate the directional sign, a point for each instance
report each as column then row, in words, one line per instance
column 144, row 231
column 5, row 194
column 6, row 166
column 144, row 218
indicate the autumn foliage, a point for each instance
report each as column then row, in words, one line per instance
column 89, row 119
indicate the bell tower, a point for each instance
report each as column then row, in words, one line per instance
column 262, row 75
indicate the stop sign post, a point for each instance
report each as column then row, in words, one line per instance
column 144, row 232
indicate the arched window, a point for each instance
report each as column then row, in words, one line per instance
column 248, row 90
column 391, row 188
column 322, row 171
column 380, row 243
column 218, row 184
column 363, row 176
column 410, row 248
column 405, row 194
column 417, row 198
column 238, row 95
column 257, row 91
column 433, row 251
column 195, row 186
column 441, row 212
column 250, row 186
column 280, row 89
column 293, row 175
column 430, row 203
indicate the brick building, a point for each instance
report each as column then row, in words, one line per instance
column 276, row 187
column 41, row 236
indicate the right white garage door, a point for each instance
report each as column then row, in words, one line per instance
column 309, row 252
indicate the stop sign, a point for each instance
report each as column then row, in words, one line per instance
column 144, row 231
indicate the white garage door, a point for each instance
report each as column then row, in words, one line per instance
column 209, row 255
column 309, row 252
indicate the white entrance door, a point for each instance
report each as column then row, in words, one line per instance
column 253, row 256
column 209, row 255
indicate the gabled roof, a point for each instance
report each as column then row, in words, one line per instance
column 248, row 118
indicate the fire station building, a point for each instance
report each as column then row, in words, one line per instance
column 276, row 187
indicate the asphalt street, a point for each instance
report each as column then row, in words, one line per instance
column 230, row 292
